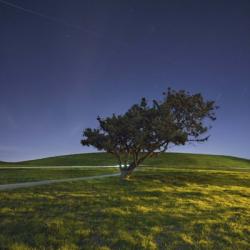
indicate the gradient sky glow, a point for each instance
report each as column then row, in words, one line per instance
column 64, row 62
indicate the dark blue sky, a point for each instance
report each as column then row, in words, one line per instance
column 64, row 62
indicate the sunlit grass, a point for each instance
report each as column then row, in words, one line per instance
column 157, row 209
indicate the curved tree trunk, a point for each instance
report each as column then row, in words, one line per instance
column 127, row 172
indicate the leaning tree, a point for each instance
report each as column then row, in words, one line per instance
column 147, row 129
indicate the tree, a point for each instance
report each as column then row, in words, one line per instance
column 145, row 130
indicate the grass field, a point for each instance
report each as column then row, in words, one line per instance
column 177, row 201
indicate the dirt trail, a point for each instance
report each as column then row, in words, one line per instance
column 55, row 167
column 5, row 187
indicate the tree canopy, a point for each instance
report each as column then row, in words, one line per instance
column 148, row 128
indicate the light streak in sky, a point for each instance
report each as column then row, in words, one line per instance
column 52, row 19
column 60, row 21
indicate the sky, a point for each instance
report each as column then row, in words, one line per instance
column 64, row 62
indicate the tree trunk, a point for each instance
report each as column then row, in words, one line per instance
column 127, row 172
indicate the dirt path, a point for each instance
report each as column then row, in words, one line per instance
column 5, row 187
column 54, row 167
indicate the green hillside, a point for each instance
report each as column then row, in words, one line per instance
column 89, row 159
column 163, row 160
column 184, row 201
column 175, row 201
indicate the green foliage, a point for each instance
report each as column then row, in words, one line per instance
column 145, row 129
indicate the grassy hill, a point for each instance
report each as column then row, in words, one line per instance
column 163, row 160
column 185, row 201
column 4, row 163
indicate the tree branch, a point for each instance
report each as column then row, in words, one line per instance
column 199, row 140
